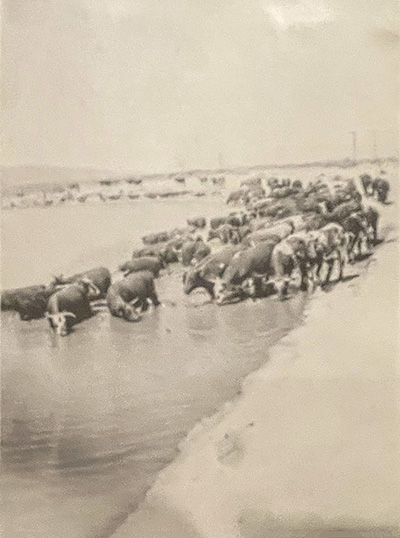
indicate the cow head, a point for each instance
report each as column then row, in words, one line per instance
column 227, row 294
column 130, row 313
column 58, row 322
column 89, row 288
column 213, row 234
column 191, row 280
column 59, row 282
column 220, row 290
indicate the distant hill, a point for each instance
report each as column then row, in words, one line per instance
column 50, row 178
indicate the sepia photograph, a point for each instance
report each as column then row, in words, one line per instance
column 200, row 269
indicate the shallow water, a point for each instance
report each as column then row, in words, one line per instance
column 90, row 419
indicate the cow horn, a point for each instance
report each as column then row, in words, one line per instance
column 91, row 285
column 68, row 314
column 134, row 301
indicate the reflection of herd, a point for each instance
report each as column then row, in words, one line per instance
column 291, row 237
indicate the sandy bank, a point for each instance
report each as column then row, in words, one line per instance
column 313, row 441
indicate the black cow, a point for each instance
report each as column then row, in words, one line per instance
column 100, row 277
column 366, row 181
column 216, row 222
column 235, row 197
column 70, row 305
column 154, row 238
column 129, row 297
column 244, row 266
column 197, row 222
column 381, row 188
column 166, row 252
column 208, row 270
column 30, row 302
column 146, row 263
column 202, row 251
column 188, row 250
column 343, row 211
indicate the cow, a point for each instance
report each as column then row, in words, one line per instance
column 146, row 263
column 130, row 296
column 99, row 276
column 245, row 265
column 208, row 270
column 220, row 181
column 216, row 222
column 70, row 305
column 235, row 197
column 366, row 181
column 372, row 217
column 30, row 302
column 356, row 228
column 154, row 238
column 253, row 194
column 189, row 249
column 202, row 251
column 283, row 208
column 251, row 182
column 296, row 251
column 260, row 223
column 381, row 188
column 166, row 252
column 343, row 211
column 281, row 230
column 224, row 233
column 283, row 192
column 197, row 222
column 330, row 244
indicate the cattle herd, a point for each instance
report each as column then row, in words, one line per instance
column 284, row 235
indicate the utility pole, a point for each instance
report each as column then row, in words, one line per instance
column 354, row 137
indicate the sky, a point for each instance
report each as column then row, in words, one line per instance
column 162, row 85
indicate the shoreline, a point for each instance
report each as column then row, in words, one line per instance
column 294, row 434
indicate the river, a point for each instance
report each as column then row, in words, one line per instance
column 89, row 420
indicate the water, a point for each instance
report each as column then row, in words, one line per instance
column 89, row 420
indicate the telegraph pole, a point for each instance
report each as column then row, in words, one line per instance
column 354, row 137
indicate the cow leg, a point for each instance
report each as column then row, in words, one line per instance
column 318, row 272
column 154, row 299
column 359, row 244
column 351, row 248
column 304, row 276
column 341, row 260
column 375, row 232
column 282, row 287
column 329, row 273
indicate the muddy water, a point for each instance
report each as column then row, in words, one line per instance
column 89, row 420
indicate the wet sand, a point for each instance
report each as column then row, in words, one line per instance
column 313, row 440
